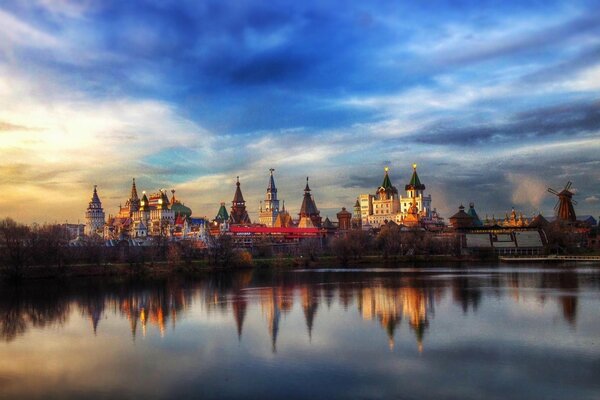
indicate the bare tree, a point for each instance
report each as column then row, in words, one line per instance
column 15, row 246
column 220, row 250
column 389, row 241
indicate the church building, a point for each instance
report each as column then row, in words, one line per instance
column 387, row 205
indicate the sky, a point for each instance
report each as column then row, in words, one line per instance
column 494, row 100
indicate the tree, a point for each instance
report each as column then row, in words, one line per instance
column 220, row 250
column 389, row 241
column 15, row 246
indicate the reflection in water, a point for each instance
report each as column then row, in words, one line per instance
column 435, row 333
column 389, row 298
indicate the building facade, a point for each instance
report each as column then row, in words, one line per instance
column 268, row 212
column 94, row 216
column 388, row 205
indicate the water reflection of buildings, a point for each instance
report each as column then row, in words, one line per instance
column 391, row 305
column 389, row 302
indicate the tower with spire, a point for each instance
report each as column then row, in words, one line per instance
column 94, row 216
column 238, row 214
column 387, row 205
column 270, row 209
column 132, row 204
column 310, row 217
column 415, row 202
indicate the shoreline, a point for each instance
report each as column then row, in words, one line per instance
column 198, row 267
column 162, row 269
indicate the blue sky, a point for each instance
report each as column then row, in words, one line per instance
column 494, row 101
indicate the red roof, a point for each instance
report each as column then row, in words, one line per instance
column 264, row 229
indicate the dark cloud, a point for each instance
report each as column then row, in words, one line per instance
column 586, row 58
column 568, row 119
column 537, row 41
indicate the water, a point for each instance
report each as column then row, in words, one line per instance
column 486, row 332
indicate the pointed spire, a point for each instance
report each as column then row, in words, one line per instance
column 173, row 196
column 271, row 187
column 95, row 198
column 387, row 183
column 134, row 193
column 415, row 182
column 307, row 188
column 238, row 197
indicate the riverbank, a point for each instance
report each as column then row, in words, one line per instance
column 198, row 267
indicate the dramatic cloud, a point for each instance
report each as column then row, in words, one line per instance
column 493, row 101
column 527, row 190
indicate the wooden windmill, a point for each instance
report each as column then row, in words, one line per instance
column 564, row 206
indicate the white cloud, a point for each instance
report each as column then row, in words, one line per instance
column 527, row 190
column 592, row 199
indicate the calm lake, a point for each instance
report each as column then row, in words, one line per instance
column 491, row 332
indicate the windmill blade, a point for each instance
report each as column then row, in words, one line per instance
column 556, row 205
column 568, row 185
column 550, row 190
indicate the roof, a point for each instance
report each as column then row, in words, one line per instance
column 271, row 187
column 538, row 222
column 238, row 197
column 181, row 209
column 387, row 183
column 222, row 215
column 134, row 194
column 266, row 229
column 415, row 182
column 308, row 203
column 461, row 214
column 473, row 214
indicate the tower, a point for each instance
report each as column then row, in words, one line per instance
column 356, row 217
column 309, row 214
column 268, row 215
column 385, row 204
column 415, row 202
column 134, row 200
column 94, row 216
column 238, row 214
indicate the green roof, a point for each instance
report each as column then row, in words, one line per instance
column 387, row 183
column 222, row 215
column 415, row 182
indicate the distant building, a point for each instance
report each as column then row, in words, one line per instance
column 461, row 219
column 310, row 217
column 386, row 205
column 344, row 220
column 238, row 214
column 268, row 215
column 94, row 216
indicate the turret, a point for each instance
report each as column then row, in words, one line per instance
column 308, row 210
column 238, row 214
column 94, row 216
